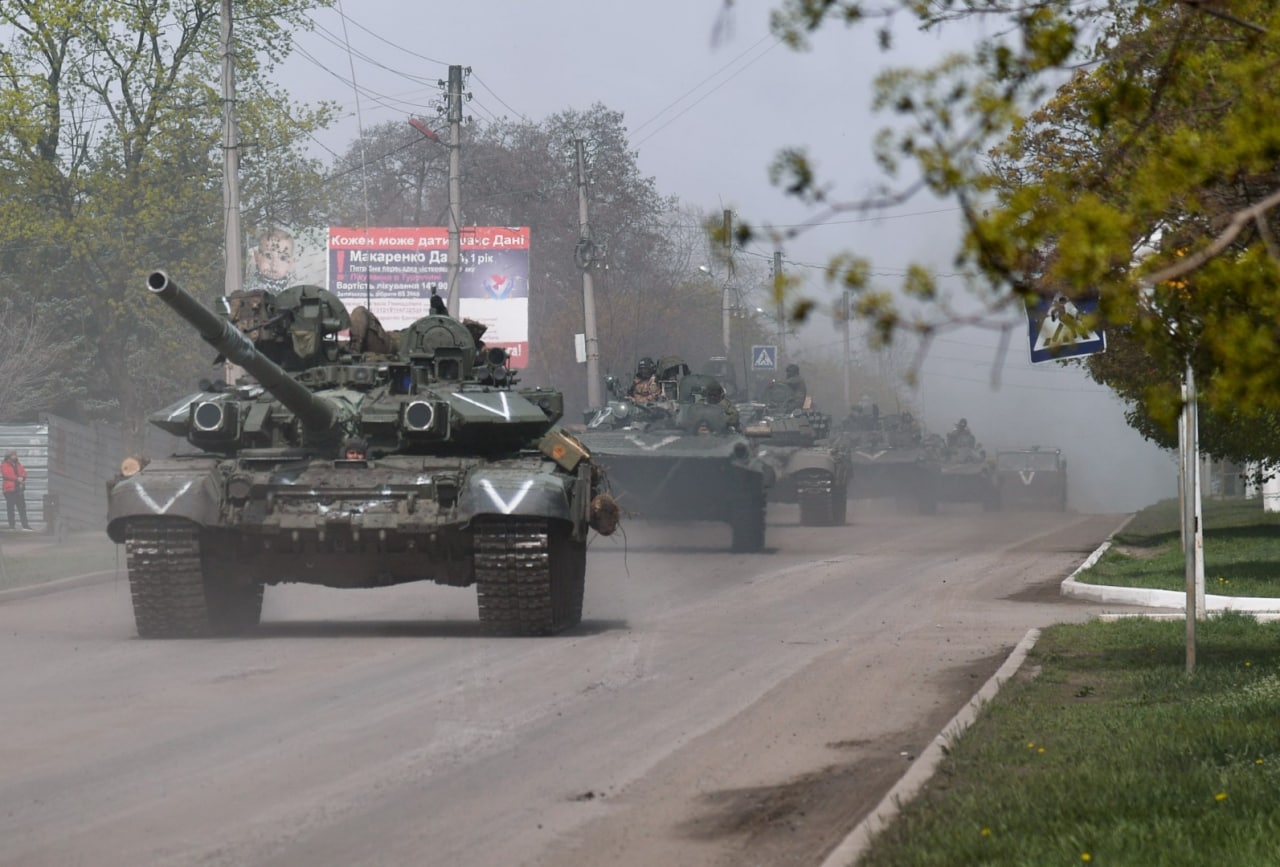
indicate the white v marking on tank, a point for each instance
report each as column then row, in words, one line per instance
column 504, row 413
column 505, row 507
column 652, row 447
column 156, row 507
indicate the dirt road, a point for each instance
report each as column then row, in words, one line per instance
column 712, row 708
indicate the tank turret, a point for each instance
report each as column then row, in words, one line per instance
column 319, row 417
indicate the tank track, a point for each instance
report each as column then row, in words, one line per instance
column 747, row 517
column 173, row 597
column 530, row 576
column 165, row 579
column 818, row 501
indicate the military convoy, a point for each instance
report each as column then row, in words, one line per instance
column 372, row 462
column 678, row 457
column 1033, row 477
column 809, row 467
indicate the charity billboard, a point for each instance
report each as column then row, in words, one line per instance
column 394, row 270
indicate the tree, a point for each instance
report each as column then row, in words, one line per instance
column 32, row 357
column 1150, row 177
column 110, row 165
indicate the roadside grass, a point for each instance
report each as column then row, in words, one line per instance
column 1241, row 551
column 79, row 554
column 1112, row 755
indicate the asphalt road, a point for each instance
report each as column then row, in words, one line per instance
column 712, row 708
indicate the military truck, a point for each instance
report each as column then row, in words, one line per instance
column 1033, row 477
column 382, row 460
column 890, row 459
column 809, row 467
column 679, row 458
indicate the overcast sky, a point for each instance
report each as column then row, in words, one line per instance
column 708, row 102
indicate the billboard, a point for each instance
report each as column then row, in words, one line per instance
column 393, row 271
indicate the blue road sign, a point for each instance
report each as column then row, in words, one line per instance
column 764, row 358
column 1056, row 329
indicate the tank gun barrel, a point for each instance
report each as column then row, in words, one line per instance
column 316, row 414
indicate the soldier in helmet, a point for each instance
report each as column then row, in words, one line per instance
column 645, row 388
column 799, row 391
column 960, row 436
column 715, row 396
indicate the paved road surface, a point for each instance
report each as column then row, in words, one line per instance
column 712, row 709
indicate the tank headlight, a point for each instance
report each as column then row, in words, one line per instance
column 419, row 415
column 740, row 451
column 208, row 416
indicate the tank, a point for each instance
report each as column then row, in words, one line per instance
column 1033, row 478
column 809, row 468
column 337, row 465
column 678, row 459
column 890, row 458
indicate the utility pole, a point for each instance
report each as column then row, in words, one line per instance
column 846, row 354
column 234, row 277
column 454, row 116
column 585, row 254
column 779, row 288
column 1192, row 532
column 727, row 303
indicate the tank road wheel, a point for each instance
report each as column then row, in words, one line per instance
column 530, row 575
column 176, row 595
column 747, row 517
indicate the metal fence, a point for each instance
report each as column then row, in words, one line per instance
column 69, row 465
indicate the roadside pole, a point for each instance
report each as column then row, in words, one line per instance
column 585, row 254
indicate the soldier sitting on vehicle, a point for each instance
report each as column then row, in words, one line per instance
column 645, row 387
column 961, row 437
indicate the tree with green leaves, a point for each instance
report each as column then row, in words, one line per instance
column 1123, row 149
column 111, row 165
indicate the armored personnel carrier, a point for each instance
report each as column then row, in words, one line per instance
column 389, row 459
column 890, row 458
column 1034, row 477
column 967, row 475
column 678, row 458
column 809, row 468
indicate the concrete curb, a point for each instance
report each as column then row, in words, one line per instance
column 922, row 769
column 29, row 590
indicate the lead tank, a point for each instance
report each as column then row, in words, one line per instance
column 678, row 458
column 343, row 466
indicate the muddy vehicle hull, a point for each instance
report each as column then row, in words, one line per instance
column 1032, row 479
column 204, row 536
column 815, row 477
column 909, row 476
column 671, row 475
column 973, row 482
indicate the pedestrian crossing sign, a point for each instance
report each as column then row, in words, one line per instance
column 1059, row 328
column 764, row 358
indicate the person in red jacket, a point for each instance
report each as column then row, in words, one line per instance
column 14, row 485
